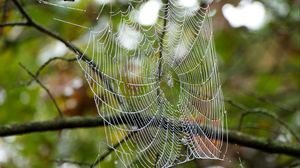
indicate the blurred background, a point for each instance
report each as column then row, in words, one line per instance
column 258, row 47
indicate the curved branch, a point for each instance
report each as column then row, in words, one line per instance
column 38, row 72
column 234, row 137
column 273, row 116
column 247, row 111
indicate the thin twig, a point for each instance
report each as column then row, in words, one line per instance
column 110, row 150
column 20, row 8
column 266, row 113
column 44, row 87
column 279, row 106
column 247, row 111
column 14, row 24
column 37, row 73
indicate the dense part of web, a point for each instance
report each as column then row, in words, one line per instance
column 158, row 84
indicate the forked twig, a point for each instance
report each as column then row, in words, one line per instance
column 44, row 87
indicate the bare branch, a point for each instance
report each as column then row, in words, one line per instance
column 234, row 137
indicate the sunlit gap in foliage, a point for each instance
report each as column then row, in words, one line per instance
column 248, row 13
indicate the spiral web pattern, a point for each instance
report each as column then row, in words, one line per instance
column 160, row 93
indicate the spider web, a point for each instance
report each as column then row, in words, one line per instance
column 157, row 85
